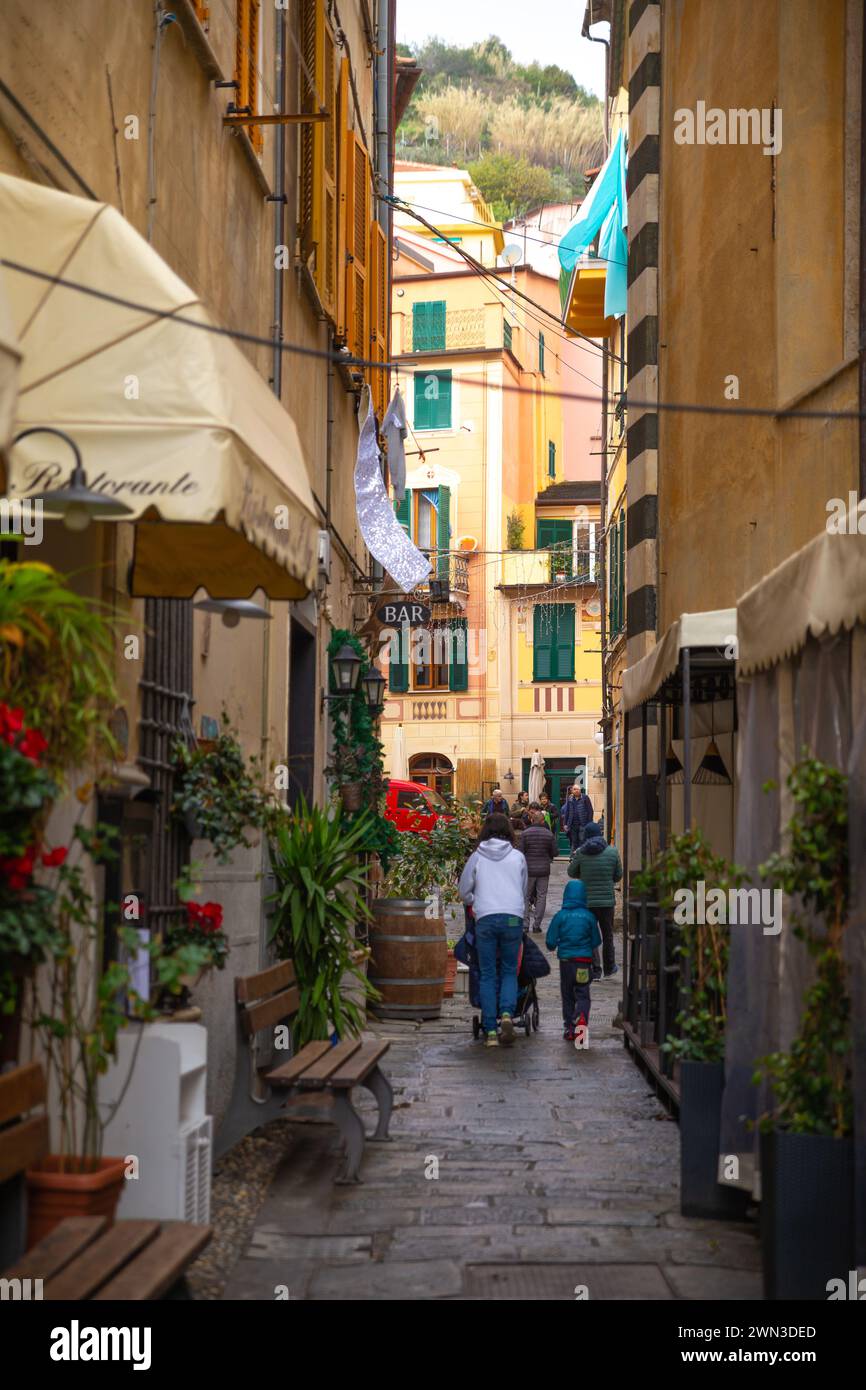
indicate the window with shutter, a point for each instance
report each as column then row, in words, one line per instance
column 247, row 65
column 378, row 377
column 318, row 201
column 428, row 325
column 459, row 672
column 443, row 533
column 398, row 667
column 344, row 172
column 357, row 247
column 432, row 392
column 553, row 642
column 621, row 572
column 551, row 459
column 403, row 511
column 541, row 353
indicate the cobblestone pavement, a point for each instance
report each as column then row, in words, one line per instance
column 557, row 1172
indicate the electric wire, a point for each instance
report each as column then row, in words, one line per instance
column 348, row 360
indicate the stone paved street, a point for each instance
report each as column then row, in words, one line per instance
column 556, row 1169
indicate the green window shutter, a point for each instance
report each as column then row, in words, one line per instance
column 443, row 405
column 443, row 533
column 564, row 663
column 541, row 353
column 551, row 458
column 543, row 636
column 423, row 405
column 432, row 401
column 611, row 580
column 458, row 673
column 621, row 571
column 507, row 336
column 403, row 511
column 428, row 325
column 398, row 671
column 549, row 533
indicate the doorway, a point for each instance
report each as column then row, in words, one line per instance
column 302, row 713
column 559, row 775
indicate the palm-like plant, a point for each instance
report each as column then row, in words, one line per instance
column 320, row 899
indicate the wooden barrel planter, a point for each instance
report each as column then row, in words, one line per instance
column 408, row 958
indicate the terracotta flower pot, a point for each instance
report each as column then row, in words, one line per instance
column 450, row 975
column 351, row 792
column 53, row 1194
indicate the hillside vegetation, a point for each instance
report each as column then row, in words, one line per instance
column 525, row 132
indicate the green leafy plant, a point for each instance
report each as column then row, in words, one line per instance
column 219, row 793
column 430, row 862
column 514, row 529
column 318, row 903
column 357, row 752
column 812, row 1082
column 702, row 948
column 57, row 663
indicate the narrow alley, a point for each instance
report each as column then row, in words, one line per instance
column 557, row 1173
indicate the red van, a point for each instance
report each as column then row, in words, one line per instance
column 412, row 806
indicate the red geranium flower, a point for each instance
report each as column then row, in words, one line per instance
column 55, row 857
column 11, row 722
column 18, row 871
column 33, row 745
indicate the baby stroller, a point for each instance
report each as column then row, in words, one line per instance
column 531, row 967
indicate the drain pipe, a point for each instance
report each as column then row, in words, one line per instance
column 279, row 200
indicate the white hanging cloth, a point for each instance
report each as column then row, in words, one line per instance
column 383, row 535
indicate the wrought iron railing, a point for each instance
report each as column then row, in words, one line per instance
column 464, row 328
column 450, row 565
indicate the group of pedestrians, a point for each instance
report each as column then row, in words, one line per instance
column 505, row 884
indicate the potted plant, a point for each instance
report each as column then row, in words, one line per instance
column 78, row 1019
column 218, row 793
column 355, row 769
column 806, row 1140
column 317, row 861
column 699, row 1047
column 201, row 929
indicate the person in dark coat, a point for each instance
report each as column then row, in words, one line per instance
column 550, row 812
column 598, row 866
column 539, row 848
column 575, row 815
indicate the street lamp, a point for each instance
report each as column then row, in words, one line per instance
column 76, row 504
column 374, row 689
column 346, row 668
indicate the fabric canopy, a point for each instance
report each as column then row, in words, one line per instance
column 819, row 590
column 716, row 628
column 172, row 419
column 604, row 210
column 10, row 358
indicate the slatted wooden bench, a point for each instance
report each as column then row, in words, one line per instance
column 319, row 1071
column 84, row 1257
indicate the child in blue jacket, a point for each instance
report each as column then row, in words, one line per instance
column 574, row 933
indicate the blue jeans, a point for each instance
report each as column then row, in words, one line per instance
column 498, row 935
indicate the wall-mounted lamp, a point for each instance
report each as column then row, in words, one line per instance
column 374, row 689
column 231, row 610
column 76, row 505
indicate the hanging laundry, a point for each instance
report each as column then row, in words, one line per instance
column 383, row 535
column 394, row 430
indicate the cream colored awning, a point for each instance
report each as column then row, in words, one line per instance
column 818, row 590
column 716, row 628
column 10, row 359
column 171, row 419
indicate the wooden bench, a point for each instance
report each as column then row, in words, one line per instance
column 319, row 1072
column 84, row 1257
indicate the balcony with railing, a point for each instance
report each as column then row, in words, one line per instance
column 561, row 564
column 451, row 569
column 463, row 328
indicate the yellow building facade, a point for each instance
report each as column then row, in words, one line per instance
column 482, row 374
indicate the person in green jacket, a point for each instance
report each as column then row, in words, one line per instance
column 598, row 866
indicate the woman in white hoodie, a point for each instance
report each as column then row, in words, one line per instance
column 493, row 884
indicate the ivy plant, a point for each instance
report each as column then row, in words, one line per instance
column 812, row 1081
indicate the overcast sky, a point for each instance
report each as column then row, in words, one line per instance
column 544, row 31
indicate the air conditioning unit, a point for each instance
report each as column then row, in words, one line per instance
column 161, row 1121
